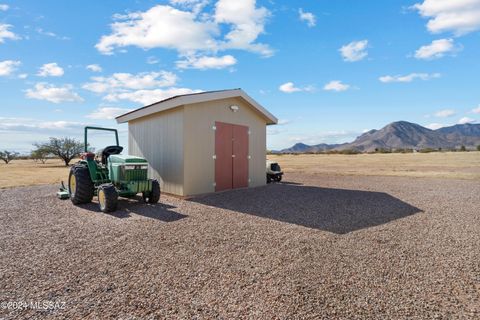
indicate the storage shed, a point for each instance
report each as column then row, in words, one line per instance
column 202, row 142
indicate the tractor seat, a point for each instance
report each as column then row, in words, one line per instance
column 109, row 151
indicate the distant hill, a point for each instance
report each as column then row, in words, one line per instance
column 402, row 135
column 302, row 148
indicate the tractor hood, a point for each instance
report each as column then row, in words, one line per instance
column 120, row 158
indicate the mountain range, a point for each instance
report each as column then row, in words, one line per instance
column 402, row 135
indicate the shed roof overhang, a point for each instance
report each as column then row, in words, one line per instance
column 185, row 99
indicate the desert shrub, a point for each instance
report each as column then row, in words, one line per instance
column 427, row 150
column 349, row 151
column 462, row 148
column 332, row 152
column 404, row 150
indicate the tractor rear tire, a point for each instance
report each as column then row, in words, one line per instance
column 80, row 186
column 154, row 195
column 107, row 197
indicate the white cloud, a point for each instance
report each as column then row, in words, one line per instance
column 188, row 30
column 23, row 75
column 203, row 63
column 51, row 34
column 5, row 33
column 282, row 122
column 143, row 88
column 4, row 7
column 20, row 133
column 354, row 51
column 246, row 22
column 458, row 16
column 28, row 124
column 48, row 92
column 336, row 85
column 437, row 49
column 57, row 124
column 50, row 70
column 107, row 113
column 7, row 67
column 476, row 110
column 409, row 77
column 160, row 26
column 289, row 87
column 445, row 113
column 94, row 68
column 146, row 97
column 465, row 120
column 308, row 17
column 434, row 126
column 195, row 5
column 46, row 33
column 124, row 81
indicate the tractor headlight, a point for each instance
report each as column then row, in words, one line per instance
column 129, row 167
column 144, row 167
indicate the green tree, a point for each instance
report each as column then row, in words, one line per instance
column 462, row 148
column 40, row 154
column 478, row 147
column 8, row 156
column 63, row 148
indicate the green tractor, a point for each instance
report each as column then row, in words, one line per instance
column 108, row 174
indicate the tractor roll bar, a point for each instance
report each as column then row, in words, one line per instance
column 101, row 129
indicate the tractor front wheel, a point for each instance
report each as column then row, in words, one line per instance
column 80, row 186
column 107, row 197
column 154, row 195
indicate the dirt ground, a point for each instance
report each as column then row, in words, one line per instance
column 314, row 247
column 452, row 165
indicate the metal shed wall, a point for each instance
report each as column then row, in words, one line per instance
column 159, row 139
column 199, row 142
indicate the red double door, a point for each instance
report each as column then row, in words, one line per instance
column 231, row 162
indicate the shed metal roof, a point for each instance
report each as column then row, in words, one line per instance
column 184, row 99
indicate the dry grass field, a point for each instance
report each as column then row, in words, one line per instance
column 454, row 165
column 29, row 173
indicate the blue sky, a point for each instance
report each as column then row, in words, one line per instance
column 327, row 69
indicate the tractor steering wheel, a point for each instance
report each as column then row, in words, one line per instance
column 109, row 151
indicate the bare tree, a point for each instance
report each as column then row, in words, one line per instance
column 64, row 148
column 8, row 156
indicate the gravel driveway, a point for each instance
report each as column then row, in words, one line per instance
column 315, row 247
